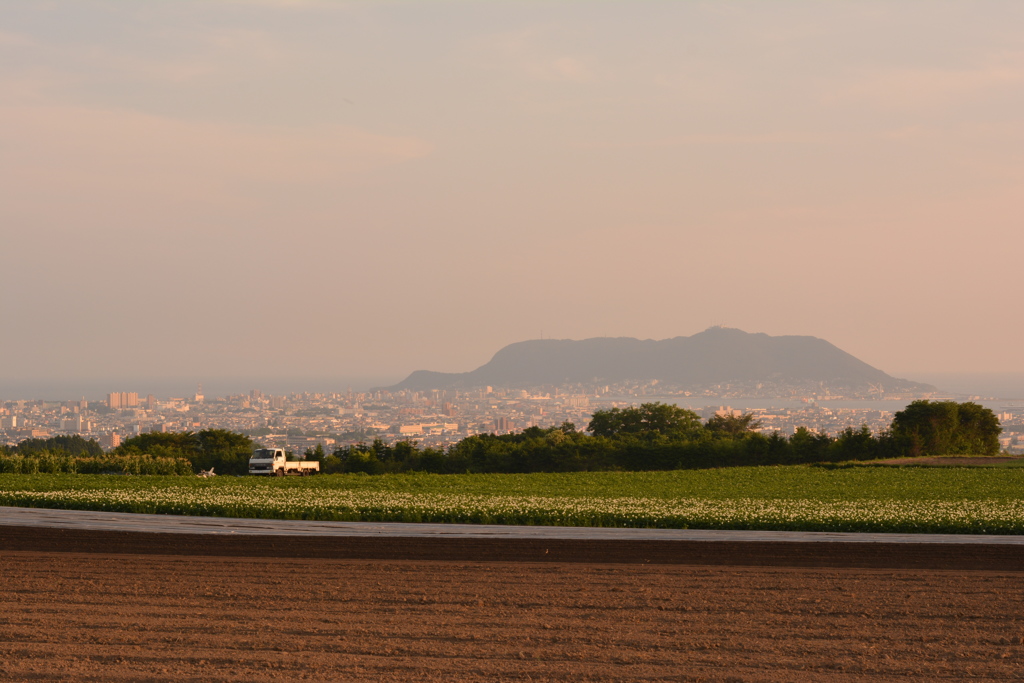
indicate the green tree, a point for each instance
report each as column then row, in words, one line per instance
column 181, row 444
column 73, row 445
column 733, row 426
column 227, row 452
column 855, row 444
column 946, row 428
column 647, row 419
column 809, row 446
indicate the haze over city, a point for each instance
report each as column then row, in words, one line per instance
column 309, row 195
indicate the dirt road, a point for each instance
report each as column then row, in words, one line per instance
column 125, row 617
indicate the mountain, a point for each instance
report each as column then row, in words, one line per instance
column 718, row 355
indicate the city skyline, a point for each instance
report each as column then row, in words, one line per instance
column 303, row 194
column 439, row 418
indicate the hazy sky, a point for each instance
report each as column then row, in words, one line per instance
column 361, row 189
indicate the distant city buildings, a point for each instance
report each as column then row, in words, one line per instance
column 437, row 418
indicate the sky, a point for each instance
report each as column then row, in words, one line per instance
column 330, row 192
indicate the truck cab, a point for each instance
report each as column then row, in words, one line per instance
column 267, row 461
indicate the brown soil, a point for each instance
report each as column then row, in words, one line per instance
column 133, row 617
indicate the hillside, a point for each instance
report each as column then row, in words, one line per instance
column 715, row 356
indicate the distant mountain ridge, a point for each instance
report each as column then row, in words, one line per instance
column 718, row 355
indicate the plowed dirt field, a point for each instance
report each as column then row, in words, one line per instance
column 125, row 617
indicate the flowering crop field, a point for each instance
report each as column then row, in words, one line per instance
column 946, row 500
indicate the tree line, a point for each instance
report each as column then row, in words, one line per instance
column 154, row 453
column 652, row 436
column 74, row 445
column 658, row 436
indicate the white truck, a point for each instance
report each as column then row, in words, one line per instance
column 272, row 461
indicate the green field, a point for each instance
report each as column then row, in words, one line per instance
column 909, row 499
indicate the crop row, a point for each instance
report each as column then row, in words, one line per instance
column 992, row 517
column 857, row 483
column 54, row 463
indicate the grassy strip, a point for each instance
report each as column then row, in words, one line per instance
column 957, row 500
column 796, row 482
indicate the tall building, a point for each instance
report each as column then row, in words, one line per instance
column 123, row 399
